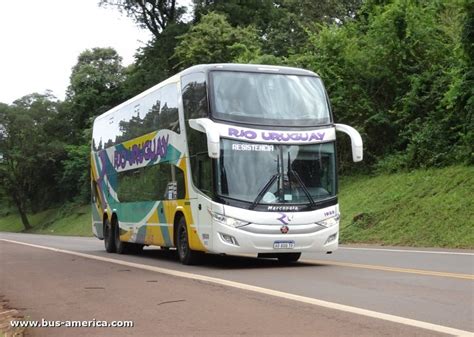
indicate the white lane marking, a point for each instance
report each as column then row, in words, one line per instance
column 406, row 251
column 276, row 293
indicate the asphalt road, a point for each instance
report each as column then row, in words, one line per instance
column 433, row 286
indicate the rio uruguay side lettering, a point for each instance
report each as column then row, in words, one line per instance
column 137, row 153
column 277, row 136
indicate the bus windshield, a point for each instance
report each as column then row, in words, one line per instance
column 268, row 99
column 276, row 174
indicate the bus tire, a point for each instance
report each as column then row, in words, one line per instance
column 186, row 255
column 286, row 258
column 120, row 246
column 109, row 237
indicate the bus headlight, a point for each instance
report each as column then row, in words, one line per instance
column 228, row 221
column 329, row 222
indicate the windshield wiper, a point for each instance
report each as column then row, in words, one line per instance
column 298, row 178
column 264, row 190
column 267, row 185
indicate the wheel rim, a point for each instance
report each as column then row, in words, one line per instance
column 183, row 242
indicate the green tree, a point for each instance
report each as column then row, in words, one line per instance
column 154, row 15
column 280, row 24
column 239, row 13
column 214, row 40
column 30, row 155
column 154, row 62
column 391, row 72
column 463, row 93
column 95, row 86
column 74, row 178
column 310, row 12
column 279, row 31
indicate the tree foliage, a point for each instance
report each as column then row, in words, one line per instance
column 322, row 11
column 74, row 177
column 154, row 62
column 214, row 40
column 95, row 87
column 281, row 25
column 394, row 73
column 30, row 153
column 154, row 15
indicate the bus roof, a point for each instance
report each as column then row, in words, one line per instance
column 257, row 68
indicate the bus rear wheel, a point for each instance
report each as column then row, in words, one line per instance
column 120, row 246
column 186, row 254
column 109, row 237
column 286, row 258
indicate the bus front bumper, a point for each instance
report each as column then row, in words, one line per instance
column 230, row 240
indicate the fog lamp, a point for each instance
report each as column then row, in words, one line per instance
column 229, row 239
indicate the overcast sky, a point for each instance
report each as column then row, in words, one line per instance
column 41, row 40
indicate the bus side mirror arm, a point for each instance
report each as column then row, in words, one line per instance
column 212, row 134
column 356, row 141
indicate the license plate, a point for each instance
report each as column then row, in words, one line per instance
column 283, row 244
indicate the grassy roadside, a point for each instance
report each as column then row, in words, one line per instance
column 430, row 208
column 71, row 220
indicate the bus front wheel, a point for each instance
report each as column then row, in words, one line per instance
column 186, row 254
column 109, row 237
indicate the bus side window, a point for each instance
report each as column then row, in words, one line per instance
column 169, row 117
column 143, row 184
column 151, row 183
column 196, row 106
column 205, row 174
column 176, row 188
column 193, row 88
column 201, row 172
column 181, row 188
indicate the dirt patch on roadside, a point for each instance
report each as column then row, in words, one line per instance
column 8, row 314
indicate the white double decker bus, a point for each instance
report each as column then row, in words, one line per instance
column 220, row 158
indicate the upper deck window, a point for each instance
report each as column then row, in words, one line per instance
column 269, row 99
column 154, row 111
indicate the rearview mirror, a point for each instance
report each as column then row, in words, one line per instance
column 212, row 134
column 356, row 141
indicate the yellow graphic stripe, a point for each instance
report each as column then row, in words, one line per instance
column 154, row 235
column 139, row 140
column 94, row 175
